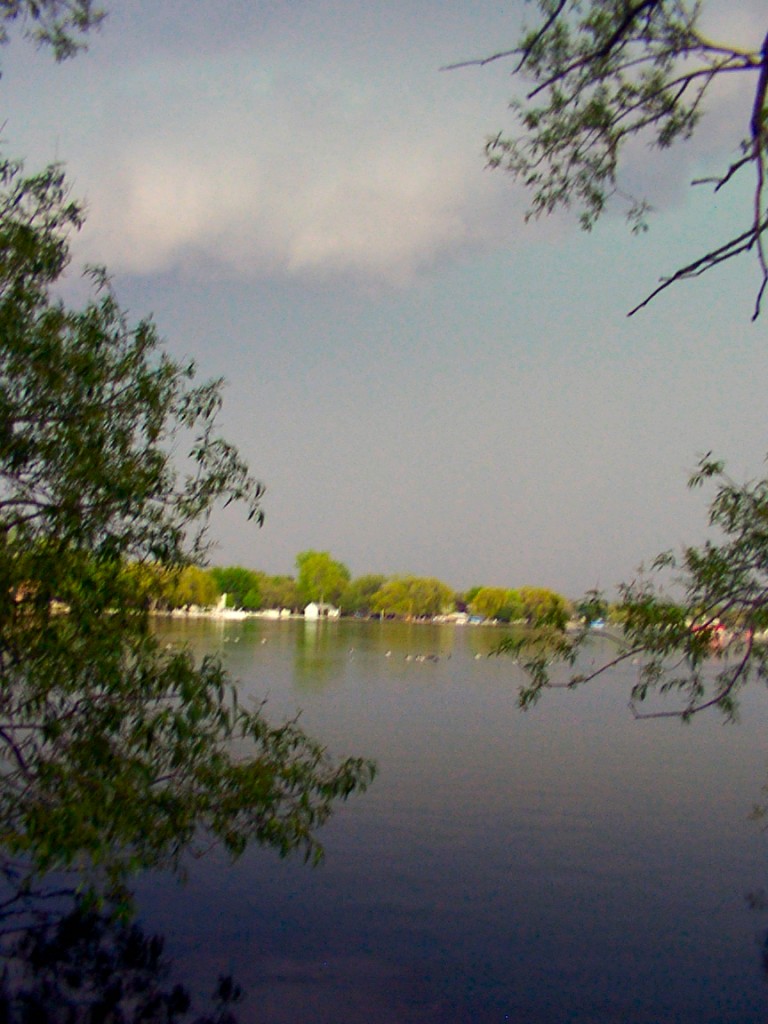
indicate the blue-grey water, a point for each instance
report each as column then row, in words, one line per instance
column 569, row 864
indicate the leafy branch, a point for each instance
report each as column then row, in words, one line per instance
column 605, row 72
column 114, row 753
column 701, row 648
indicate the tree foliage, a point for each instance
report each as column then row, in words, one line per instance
column 541, row 606
column 61, row 24
column 412, row 597
column 320, row 577
column 358, row 596
column 279, row 592
column 190, row 586
column 604, row 72
column 536, row 605
column 242, row 586
column 115, row 753
column 698, row 640
column 492, row 603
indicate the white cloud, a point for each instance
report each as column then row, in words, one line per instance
column 324, row 144
column 292, row 173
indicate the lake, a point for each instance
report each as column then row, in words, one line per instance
column 568, row 864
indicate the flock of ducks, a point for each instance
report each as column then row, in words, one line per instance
column 420, row 657
column 409, row 657
column 387, row 654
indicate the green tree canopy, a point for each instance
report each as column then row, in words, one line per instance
column 358, row 597
column 320, row 577
column 413, row 597
column 280, row 592
column 191, row 585
column 540, row 606
column 496, row 603
column 242, row 586
column 604, row 72
column 116, row 753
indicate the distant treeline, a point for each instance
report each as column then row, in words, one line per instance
column 323, row 579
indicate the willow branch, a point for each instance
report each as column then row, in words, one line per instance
column 740, row 244
column 714, row 701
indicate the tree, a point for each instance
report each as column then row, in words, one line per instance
column 242, row 586
column 606, row 71
column 358, row 597
column 412, row 597
column 495, row 603
column 192, row 585
column 280, row 592
column 115, row 753
column 603, row 73
column 540, row 606
column 701, row 638
column 320, row 577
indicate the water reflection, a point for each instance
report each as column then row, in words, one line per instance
column 318, row 657
column 566, row 865
column 65, row 961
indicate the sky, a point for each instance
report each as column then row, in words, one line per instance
column 425, row 382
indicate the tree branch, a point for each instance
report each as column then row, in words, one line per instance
column 524, row 51
column 716, row 701
column 740, row 244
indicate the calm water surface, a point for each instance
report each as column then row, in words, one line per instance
column 564, row 865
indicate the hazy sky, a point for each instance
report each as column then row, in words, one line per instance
column 425, row 383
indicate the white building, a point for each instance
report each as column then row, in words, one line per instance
column 315, row 610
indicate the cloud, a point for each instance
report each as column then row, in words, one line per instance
column 310, row 172
column 320, row 145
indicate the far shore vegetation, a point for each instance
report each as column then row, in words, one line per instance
column 325, row 581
